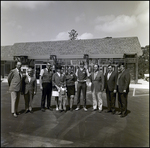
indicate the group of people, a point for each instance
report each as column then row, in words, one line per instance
column 61, row 85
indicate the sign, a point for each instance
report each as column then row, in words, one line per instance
column 77, row 62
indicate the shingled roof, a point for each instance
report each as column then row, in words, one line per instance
column 73, row 47
column 6, row 52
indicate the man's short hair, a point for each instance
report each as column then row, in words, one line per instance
column 121, row 63
column 18, row 62
column 49, row 63
column 96, row 65
column 69, row 67
column 100, row 68
column 109, row 65
column 29, row 69
column 59, row 67
column 81, row 62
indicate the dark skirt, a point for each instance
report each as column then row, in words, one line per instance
column 70, row 90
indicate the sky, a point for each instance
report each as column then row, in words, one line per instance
column 38, row 21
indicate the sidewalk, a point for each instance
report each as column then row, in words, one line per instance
column 141, row 84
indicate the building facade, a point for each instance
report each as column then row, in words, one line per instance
column 70, row 52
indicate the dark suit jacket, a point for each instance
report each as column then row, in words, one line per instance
column 111, row 83
column 98, row 82
column 124, row 81
column 14, row 80
column 27, row 86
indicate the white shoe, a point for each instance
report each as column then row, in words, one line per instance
column 15, row 115
column 77, row 108
column 85, row 109
column 57, row 109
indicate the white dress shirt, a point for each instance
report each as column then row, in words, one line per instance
column 108, row 75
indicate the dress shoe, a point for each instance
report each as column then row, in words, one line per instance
column 31, row 111
column 119, row 113
column 108, row 111
column 15, row 115
column 77, row 108
column 84, row 109
column 113, row 112
column 18, row 113
column 71, row 109
column 122, row 116
column 43, row 110
column 100, row 111
column 26, row 111
column 50, row 108
column 57, row 109
column 93, row 110
column 61, row 110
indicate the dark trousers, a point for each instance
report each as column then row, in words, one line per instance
column 111, row 100
column 122, row 102
column 47, row 91
column 81, row 86
column 28, row 100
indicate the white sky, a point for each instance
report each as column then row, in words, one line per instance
column 34, row 21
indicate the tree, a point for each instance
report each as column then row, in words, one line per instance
column 73, row 34
column 143, row 62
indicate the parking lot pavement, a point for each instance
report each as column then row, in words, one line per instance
column 77, row 128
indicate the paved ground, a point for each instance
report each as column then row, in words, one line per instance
column 77, row 128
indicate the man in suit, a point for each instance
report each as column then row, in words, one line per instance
column 46, row 86
column 29, row 89
column 123, row 83
column 14, row 82
column 97, row 88
column 111, row 87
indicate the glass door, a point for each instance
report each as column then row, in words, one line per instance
column 38, row 68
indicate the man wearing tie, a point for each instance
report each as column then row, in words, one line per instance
column 14, row 82
column 110, row 86
column 29, row 89
column 97, row 87
column 123, row 83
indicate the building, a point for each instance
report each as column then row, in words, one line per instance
column 70, row 52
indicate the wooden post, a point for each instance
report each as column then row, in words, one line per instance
column 136, row 69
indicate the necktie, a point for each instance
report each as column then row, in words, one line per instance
column 95, row 75
column 118, row 77
column 19, row 74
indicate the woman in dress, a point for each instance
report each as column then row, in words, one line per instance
column 70, row 83
column 59, row 84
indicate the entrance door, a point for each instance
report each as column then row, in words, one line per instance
column 38, row 68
